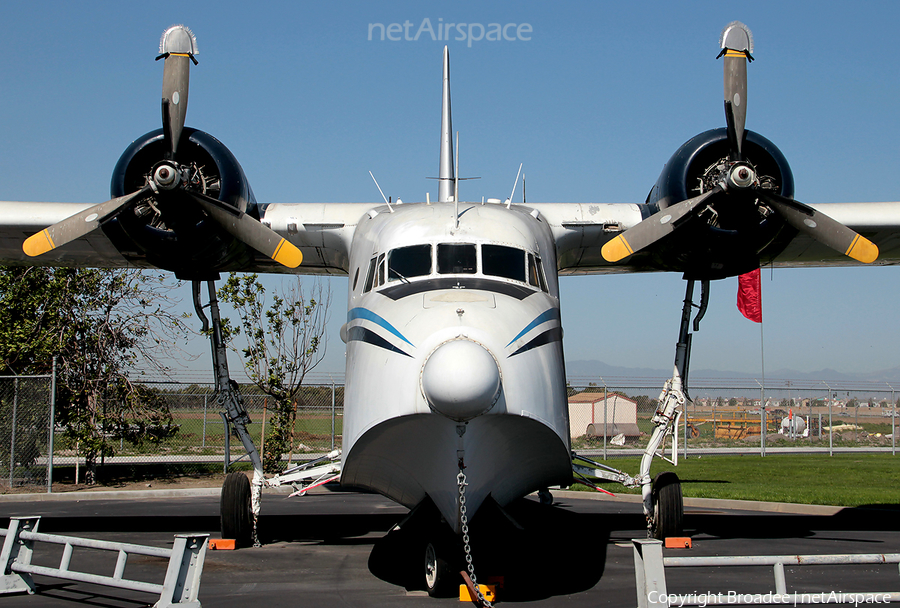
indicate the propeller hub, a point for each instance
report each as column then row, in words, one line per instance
column 166, row 176
column 741, row 176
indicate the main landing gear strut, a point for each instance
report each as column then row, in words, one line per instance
column 240, row 501
column 662, row 499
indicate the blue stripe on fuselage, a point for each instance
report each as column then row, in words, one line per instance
column 370, row 337
column 547, row 315
column 368, row 315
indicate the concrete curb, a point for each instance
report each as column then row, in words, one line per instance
column 694, row 503
column 715, row 503
column 109, row 495
column 126, row 494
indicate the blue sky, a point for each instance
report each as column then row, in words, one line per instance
column 593, row 105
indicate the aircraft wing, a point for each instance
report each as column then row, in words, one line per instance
column 723, row 206
column 19, row 220
column 582, row 229
column 879, row 222
column 322, row 232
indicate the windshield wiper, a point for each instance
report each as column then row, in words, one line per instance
column 392, row 272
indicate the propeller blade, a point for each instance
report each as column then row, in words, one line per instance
column 248, row 230
column 77, row 225
column 178, row 46
column 737, row 44
column 822, row 228
column 653, row 228
column 176, row 76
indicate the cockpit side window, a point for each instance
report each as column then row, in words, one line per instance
column 456, row 258
column 541, row 277
column 536, row 273
column 502, row 261
column 533, row 278
column 370, row 276
column 406, row 262
column 379, row 277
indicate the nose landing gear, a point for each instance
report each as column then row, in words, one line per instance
column 440, row 580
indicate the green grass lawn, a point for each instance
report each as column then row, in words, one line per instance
column 842, row 479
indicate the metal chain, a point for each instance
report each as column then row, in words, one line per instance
column 254, row 536
column 464, row 521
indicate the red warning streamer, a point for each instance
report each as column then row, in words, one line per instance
column 749, row 296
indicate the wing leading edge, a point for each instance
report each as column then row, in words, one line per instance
column 581, row 230
column 322, row 232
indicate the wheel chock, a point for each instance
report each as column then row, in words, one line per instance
column 488, row 591
column 678, row 542
column 223, row 544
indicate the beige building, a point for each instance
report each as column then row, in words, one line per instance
column 586, row 415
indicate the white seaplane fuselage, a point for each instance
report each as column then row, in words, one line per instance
column 454, row 355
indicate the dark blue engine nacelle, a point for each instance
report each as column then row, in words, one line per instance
column 170, row 231
column 736, row 235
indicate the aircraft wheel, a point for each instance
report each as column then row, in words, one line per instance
column 668, row 506
column 234, row 509
column 545, row 497
column 439, row 580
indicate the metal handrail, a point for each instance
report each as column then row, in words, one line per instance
column 180, row 587
column 650, row 575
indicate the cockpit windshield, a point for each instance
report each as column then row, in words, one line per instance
column 456, row 258
column 412, row 261
column 502, row 261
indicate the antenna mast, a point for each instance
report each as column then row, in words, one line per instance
column 456, row 183
column 516, row 183
column 446, row 177
column 386, row 201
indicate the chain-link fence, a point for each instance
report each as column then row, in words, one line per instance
column 25, row 423
column 198, row 431
column 608, row 418
column 614, row 419
column 192, row 442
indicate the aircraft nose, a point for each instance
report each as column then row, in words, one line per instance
column 461, row 380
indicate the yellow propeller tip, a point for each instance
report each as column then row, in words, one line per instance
column 287, row 254
column 863, row 250
column 616, row 249
column 38, row 244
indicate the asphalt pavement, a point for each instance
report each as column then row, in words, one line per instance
column 338, row 549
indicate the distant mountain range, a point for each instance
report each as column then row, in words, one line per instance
column 599, row 369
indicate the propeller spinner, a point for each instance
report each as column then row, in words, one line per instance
column 169, row 179
column 739, row 184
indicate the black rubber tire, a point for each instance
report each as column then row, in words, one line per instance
column 668, row 506
column 234, row 508
column 439, row 579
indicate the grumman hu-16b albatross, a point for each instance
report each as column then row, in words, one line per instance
column 455, row 382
